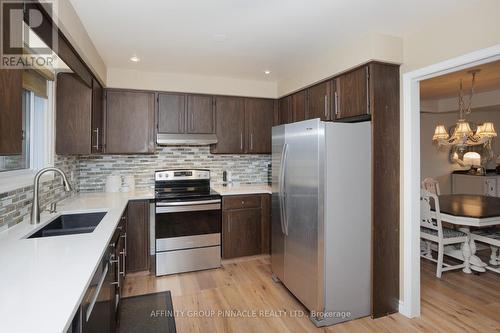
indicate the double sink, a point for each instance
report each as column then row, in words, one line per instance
column 70, row 224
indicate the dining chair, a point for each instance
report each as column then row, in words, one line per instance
column 432, row 230
column 431, row 185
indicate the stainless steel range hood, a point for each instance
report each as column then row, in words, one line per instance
column 186, row 139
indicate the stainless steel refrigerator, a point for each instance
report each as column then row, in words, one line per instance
column 321, row 217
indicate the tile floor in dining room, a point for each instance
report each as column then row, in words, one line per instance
column 456, row 303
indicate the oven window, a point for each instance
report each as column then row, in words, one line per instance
column 180, row 224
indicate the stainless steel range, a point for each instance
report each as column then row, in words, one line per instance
column 188, row 222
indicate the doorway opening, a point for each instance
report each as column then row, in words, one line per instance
column 415, row 131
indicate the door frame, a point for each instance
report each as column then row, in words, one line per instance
column 410, row 177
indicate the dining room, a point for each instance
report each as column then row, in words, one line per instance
column 460, row 194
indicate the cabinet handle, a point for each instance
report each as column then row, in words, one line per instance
column 123, row 258
column 191, row 122
column 96, row 131
column 228, row 224
column 251, row 141
column 117, row 262
column 241, row 140
column 326, row 106
column 125, row 246
column 336, row 104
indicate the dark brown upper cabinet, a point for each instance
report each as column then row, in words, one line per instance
column 292, row 108
column 130, row 122
column 285, row 110
column 11, row 115
column 259, row 114
column 185, row 113
column 200, row 114
column 243, row 125
column 73, row 115
column 229, row 125
column 352, row 95
column 97, row 118
column 319, row 101
column 171, row 113
column 299, row 106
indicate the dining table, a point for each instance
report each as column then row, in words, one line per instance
column 466, row 211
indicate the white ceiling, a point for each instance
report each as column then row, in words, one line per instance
column 184, row 36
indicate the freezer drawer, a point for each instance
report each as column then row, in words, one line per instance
column 172, row 262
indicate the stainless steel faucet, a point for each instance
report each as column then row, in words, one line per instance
column 35, row 209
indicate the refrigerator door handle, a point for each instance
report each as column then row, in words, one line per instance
column 280, row 185
column 283, row 189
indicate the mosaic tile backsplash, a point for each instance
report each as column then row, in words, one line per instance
column 16, row 205
column 88, row 174
column 244, row 169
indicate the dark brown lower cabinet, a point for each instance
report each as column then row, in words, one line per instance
column 242, row 232
column 266, row 224
column 245, row 225
column 138, row 236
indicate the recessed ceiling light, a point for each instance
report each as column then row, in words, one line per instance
column 219, row 37
column 135, row 59
column 267, row 72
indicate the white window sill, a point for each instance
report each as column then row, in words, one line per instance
column 13, row 180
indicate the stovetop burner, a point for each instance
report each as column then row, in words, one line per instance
column 177, row 184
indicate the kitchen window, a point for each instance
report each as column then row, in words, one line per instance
column 37, row 149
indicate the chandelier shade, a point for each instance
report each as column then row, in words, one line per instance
column 487, row 129
column 440, row 133
column 462, row 130
column 463, row 135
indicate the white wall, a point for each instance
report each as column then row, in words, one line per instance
column 132, row 79
column 341, row 58
column 73, row 29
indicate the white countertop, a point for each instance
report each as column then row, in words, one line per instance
column 43, row 280
column 243, row 189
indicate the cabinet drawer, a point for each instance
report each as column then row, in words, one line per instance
column 241, row 201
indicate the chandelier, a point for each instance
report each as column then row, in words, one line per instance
column 463, row 134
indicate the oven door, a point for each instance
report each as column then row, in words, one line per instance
column 187, row 224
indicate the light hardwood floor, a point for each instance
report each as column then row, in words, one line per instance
column 456, row 303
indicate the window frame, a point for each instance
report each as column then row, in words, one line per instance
column 15, row 179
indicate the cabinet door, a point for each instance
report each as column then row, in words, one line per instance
column 285, row 110
column 97, row 118
column 229, row 125
column 73, row 115
column 299, row 106
column 352, row 98
column 266, row 224
column 129, row 122
column 171, row 113
column 319, row 101
column 137, row 236
column 200, row 114
column 241, row 232
column 11, row 115
column 259, row 124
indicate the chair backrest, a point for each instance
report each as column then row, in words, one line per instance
column 430, row 218
column 431, row 185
